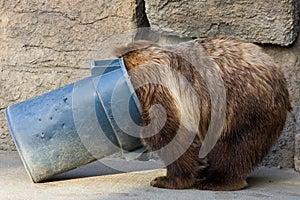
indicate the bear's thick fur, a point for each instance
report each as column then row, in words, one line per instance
column 257, row 102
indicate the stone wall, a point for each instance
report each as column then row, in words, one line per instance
column 268, row 21
column 48, row 44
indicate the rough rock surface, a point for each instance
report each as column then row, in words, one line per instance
column 47, row 44
column 266, row 21
column 297, row 142
column 59, row 33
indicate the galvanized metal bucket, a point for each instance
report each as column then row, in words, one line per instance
column 74, row 125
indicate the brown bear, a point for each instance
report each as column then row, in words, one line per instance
column 257, row 102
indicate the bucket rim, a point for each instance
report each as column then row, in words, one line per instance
column 9, row 123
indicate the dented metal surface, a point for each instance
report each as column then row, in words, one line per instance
column 74, row 125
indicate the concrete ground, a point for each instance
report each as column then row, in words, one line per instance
column 97, row 181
